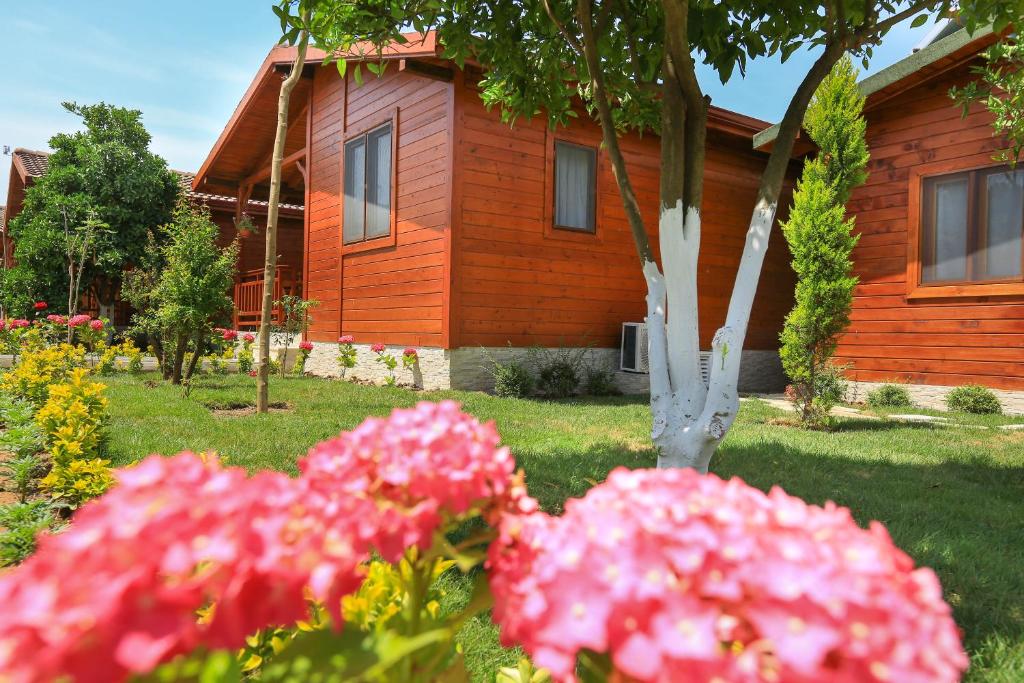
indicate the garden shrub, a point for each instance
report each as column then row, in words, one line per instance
column 889, row 396
column 21, row 523
column 77, row 481
column 346, row 354
column 599, row 380
column 37, row 369
column 558, row 370
column 973, row 399
column 511, row 380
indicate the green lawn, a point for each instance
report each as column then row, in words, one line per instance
column 951, row 497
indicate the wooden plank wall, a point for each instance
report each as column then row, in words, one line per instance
column 392, row 294
column 512, row 283
column 942, row 342
column 252, row 249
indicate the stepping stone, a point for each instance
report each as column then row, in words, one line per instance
column 919, row 418
column 1012, row 428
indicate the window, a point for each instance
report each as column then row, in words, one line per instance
column 366, row 213
column 575, row 187
column 971, row 226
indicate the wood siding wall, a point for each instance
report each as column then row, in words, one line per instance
column 252, row 249
column 518, row 281
column 946, row 341
column 392, row 294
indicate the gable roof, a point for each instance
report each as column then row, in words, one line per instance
column 937, row 57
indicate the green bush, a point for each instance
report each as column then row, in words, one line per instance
column 973, row 399
column 889, row 396
column 512, row 380
column 21, row 523
column 558, row 370
column 599, row 380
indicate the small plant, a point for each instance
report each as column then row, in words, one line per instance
column 889, row 396
column 21, row 524
column 511, row 380
column 388, row 360
column 305, row 348
column 558, row 371
column 21, row 473
column 78, row 481
column 815, row 401
column 974, row 399
column 346, row 353
column 599, row 380
column 296, row 319
column 410, row 358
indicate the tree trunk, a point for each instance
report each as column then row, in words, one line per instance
column 270, row 264
column 196, row 355
column 180, row 342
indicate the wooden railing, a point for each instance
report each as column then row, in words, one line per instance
column 249, row 295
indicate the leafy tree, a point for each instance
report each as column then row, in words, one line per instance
column 181, row 305
column 632, row 64
column 1000, row 86
column 105, row 172
column 821, row 240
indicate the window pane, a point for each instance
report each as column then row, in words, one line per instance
column 575, row 169
column 1005, row 203
column 948, row 238
column 378, row 182
column 352, row 211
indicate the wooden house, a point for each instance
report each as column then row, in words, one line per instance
column 940, row 258
column 429, row 223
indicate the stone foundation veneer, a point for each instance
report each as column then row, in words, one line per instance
column 468, row 367
column 934, row 396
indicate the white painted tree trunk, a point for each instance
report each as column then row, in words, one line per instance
column 690, row 419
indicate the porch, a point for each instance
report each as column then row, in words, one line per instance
column 248, row 296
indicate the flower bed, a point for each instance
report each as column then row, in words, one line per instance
column 654, row 575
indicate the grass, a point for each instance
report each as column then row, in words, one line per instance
column 951, row 497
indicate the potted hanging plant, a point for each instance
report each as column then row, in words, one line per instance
column 245, row 226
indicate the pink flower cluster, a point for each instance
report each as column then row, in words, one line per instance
column 346, row 339
column 306, row 346
column 57, row 319
column 410, row 353
column 378, row 348
column 248, row 337
column 683, row 577
column 227, row 335
column 79, row 320
column 424, row 463
column 117, row 593
column 15, row 324
column 96, row 325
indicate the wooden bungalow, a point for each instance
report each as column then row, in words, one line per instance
column 431, row 224
column 940, row 259
column 28, row 165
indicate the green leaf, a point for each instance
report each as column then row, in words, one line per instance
column 919, row 20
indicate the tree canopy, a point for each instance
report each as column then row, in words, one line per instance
column 105, row 171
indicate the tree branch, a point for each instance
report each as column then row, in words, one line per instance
column 569, row 38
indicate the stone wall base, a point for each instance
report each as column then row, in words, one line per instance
column 934, row 396
column 469, row 368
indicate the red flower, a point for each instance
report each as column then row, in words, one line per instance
column 660, row 568
column 378, row 348
column 40, row 306
column 97, row 325
column 346, row 339
column 306, row 346
column 248, row 337
column 229, row 335
column 254, row 373
column 410, row 353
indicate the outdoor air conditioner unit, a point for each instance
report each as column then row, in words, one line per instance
column 633, row 356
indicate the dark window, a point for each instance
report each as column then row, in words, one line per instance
column 972, row 226
column 367, row 203
column 575, row 186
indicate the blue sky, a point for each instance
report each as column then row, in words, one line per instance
column 187, row 65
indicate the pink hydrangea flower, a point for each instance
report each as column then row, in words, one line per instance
column 79, row 320
column 378, row 348
column 117, row 592
column 410, row 353
column 57, row 319
column 96, row 325
column 683, row 577
column 346, row 339
column 248, row 338
column 306, row 346
column 425, row 463
column 19, row 323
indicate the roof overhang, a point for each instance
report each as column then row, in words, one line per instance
column 927, row 63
